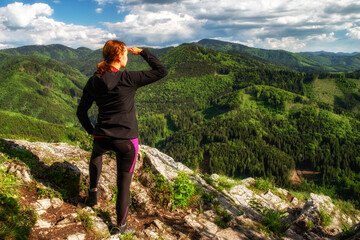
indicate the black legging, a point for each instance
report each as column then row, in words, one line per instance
column 126, row 153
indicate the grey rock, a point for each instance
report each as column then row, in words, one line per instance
column 159, row 224
column 42, row 224
column 168, row 236
column 295, row 202
column 283, row 191
column 163, row 163
column 19, row 169
column 244, row 224
column 231, row 234
column 214, row 177
column 324, row 204
column 80, row 236
column 67, row 220
column 56, row 202
column 249, row 181
column 276, row 202
column 182, row 236
column 141, row 197
column 290, row 234
column 41, row 206
column 202, row 225
column 98, row 223
column 146, row 180
column 46, row 151
column 210, row 215
column 150, row 234
column 321, row 202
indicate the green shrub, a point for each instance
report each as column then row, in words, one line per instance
column 85, row 219
column 127, row 236
column 184, row 189
column 47, row 192
column 326, row 218
column 115, row 193
column 310, row 224
column 209, row 180
column 163, row 191
column 208, row 197
column 227, row 183
column 16, row 222
column 224, row 218
column 348, row 232
column 273, row 220
column 263, row 184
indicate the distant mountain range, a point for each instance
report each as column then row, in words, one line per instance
column 305, row 62
column 331, row 53
column 85, row 59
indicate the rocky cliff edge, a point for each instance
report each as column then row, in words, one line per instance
column 53, row 180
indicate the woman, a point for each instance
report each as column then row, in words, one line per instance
column 116, row 128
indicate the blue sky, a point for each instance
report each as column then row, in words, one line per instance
column 305, row 25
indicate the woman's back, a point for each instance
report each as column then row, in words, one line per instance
column 114, row 94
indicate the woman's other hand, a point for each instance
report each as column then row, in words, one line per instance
column 135, row 50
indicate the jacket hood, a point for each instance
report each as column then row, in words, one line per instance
column 99, row 84
column 110, row 80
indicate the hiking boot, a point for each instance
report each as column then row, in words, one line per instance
column 91, row 199
column 116, row 229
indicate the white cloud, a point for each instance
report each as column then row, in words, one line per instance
column 155, row 27
column 4, row 46
column 25, row 24
column 279, row 23
column 18, row 15
column 287, row 24
column 354, row 32
column 291, row 43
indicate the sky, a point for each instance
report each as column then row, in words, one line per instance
column 296, row 26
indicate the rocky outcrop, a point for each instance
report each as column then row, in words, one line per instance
column 64, row 168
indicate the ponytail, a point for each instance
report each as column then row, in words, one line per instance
column 103, row 67
column 111, row 51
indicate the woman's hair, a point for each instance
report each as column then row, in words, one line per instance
column 111, row 51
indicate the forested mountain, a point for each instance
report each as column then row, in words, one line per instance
column 331, row 53
column 339, row 63
column 220, row 110
column 307, row 62
column 40, row 87
column 19, row 126
column 57, row 52
column 83, row 59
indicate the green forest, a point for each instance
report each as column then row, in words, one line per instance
column 223, row 108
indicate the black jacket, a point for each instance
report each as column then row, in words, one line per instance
column 114, row 94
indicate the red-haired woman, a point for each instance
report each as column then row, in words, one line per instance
column 116, row 128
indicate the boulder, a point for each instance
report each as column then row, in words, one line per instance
column 163, row 163
column 231, row 234
column 19, row 169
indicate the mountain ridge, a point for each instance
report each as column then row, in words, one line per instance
column 40, row 87
column 299, row 61
column 332, row 53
